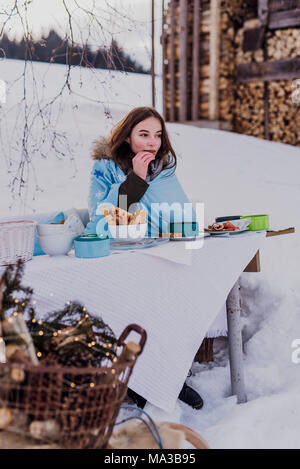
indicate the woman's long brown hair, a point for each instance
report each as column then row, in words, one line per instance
column 120, row 149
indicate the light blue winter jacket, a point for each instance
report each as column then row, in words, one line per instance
column 164, row 200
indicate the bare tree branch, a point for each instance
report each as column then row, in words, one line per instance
column 35, row 132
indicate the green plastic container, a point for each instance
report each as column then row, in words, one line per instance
column 258, row 222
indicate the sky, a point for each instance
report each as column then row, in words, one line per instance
column 128, row 21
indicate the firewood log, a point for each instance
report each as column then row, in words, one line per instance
column 128, row 354
column 47, row 430
column 5, row 418
column 15, row 326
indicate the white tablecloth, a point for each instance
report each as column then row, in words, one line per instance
column 174, row 302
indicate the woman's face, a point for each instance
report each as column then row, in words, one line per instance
column 146, row 136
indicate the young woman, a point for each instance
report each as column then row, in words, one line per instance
column 136, row 164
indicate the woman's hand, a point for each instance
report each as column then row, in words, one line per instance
column 140, row 163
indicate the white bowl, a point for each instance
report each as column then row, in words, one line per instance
column 56, row 245
column 128, row 232
column 48, row 229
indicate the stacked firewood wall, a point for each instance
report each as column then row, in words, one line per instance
column 167, row 54
column 284, row 111
column 249, row 103
column 241, row 105
column 232, row 13
column 226, row 68
column 227, row 52
column 204, row 57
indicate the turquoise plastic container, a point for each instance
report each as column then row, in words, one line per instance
column 90, row 246
column 187, row 229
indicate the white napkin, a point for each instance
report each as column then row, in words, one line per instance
column 74, row 225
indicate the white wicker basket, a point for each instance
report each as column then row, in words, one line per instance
column 16, row 240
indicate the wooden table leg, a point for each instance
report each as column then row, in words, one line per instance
column 235, row 344
column 254, row 264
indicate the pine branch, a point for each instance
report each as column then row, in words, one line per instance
column 11, row 285
column 73, row 337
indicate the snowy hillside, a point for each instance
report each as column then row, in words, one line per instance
column 98, row 100
column 233, row 175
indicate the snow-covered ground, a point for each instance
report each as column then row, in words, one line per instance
column 233, row 175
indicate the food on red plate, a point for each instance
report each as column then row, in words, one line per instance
column 230, row 226
column 226, row 226
column 216, row 226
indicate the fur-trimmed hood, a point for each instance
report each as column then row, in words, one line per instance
column 101, row 149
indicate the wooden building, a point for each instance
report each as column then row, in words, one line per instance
column 234, row 65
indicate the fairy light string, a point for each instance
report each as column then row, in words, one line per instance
column 83, row 333
column 72, row 334
column 41, row 329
